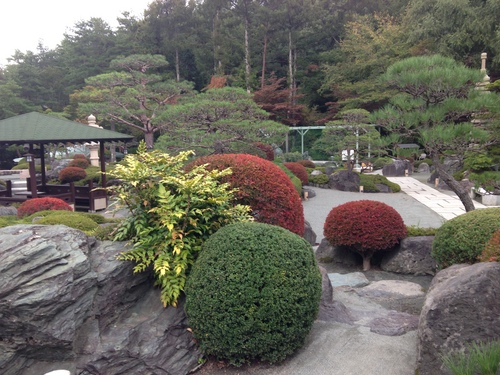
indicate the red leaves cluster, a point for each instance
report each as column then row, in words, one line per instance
column 72, row 174
column 267, row 149
column 299, row 171
column 307, row 163
column 364, row 225
column 263, row 186
column 491, row 252
column 31, row 206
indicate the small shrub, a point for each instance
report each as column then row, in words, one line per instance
column 40, row 204
column 307, row 163
column 365, row 227
column 71, row 219
column 320, row 179
column 292, row 156
column 93, row 174
column 463, row 238
column 414, row 231
column 106, row 232
column 476, row 162
column 263, row 186
column 381, row 162
column 79, row 156
column 79, row 162
column 369, row 181
column 267, row 149
column 8, row 220
column 253, row 293
column 458, row 176
column 298, row 170
column 491, row 252
column 71, row 174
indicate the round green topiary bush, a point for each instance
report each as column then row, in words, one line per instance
column 365, row 227
column 491, row 252
column 263, row 186
column 298, row 170
column 463, row 238
column 72, row 174
column 41, row 204
column 253, row 293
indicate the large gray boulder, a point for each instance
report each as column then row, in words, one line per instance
column 397, row 169
column 326, row 253
column 462, row 306
column 412, row 256
column 309, row 234
column 66, row 302
column 344, row 181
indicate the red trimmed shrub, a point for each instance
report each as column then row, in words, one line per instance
column 491, row 252
column 79, row 162
column 307, row 163
column 267, row 149
column 72, row 174
column 41, row 204
column 79, row 156
column 263, row 186
column 365, row 227
column 298, row 170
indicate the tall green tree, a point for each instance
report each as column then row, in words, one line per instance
column 132, row 94
column 459, row 29
column 435, row 108
column 217, row 121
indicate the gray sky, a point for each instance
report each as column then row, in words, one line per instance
column 23, row 23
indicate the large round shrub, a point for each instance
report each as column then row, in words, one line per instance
column 72, row 174
column 41, row 204
column 253, row 293
column 298, row 170
column 365, row 227
column 463, row 238
column 263, row 186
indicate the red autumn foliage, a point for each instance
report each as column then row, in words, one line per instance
column 217, row 82
column 79, row 162
column 41, row 204
column 307, row 163
column 267, row 149
column 72, row 174
column 79, row 156
column 263, row 186
column 491, row 252
column 365, row 226
column 299, row 171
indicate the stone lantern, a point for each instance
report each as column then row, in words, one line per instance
column 93, row 146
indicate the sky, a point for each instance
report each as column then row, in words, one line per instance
column 25, row 23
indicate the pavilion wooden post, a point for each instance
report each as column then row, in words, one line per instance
column 103, row 163
column 32, row 183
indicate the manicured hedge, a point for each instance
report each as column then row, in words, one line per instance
column 72, row 174
column 365, row 227
column 31, row 206
column 298, row 170
column 263, row 186
column 253, row 293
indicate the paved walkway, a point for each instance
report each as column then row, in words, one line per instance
column 447, row 206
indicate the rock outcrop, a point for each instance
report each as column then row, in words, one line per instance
column 66, row 302
column 462, row 306
column 412, row 256
column 397, row 169
column 344, row 181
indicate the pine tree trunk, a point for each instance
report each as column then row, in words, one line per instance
column 454, row 185
column 177, row 66
column 247, row 57
column 264, row 55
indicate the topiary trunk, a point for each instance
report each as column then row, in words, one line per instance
column 366, row 263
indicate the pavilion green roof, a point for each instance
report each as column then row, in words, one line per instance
column 36, row 127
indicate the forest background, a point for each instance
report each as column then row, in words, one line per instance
column 302, row 61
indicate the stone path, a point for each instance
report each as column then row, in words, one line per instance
column 447, row 206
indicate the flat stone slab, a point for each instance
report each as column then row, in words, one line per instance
column 392, row 288
column 354, row 279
